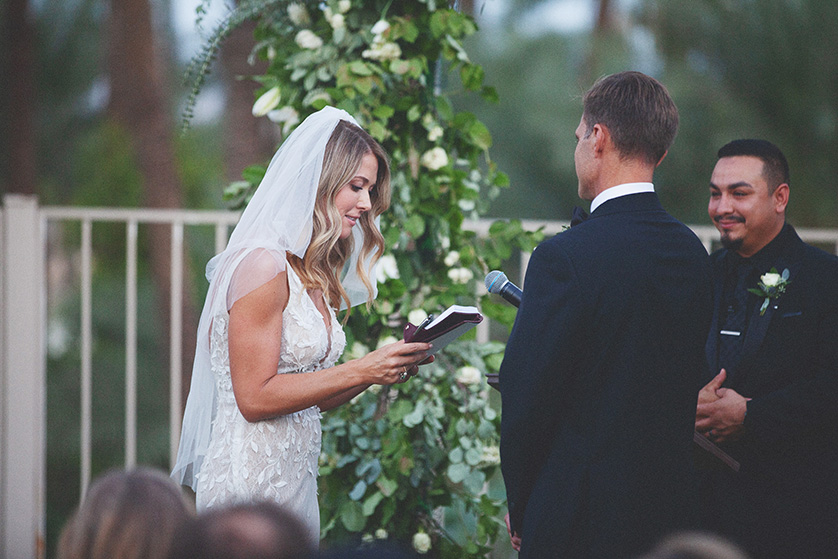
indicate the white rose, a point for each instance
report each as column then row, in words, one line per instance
column 421, row 542
column 467, row 205
column 490, row 456
column 298, row 14
column 469, row 375
column 306, row 39
column 380, row 50
column 771, row 279
column 266, row 102
column 344, row 5
column 271, row 53
column 390, row 51
column 435, row 133
column 386, row 340
column 337, row 21
column 416, row 316
column 452, row 258
column 460, row 275
column 435, row 158
column 387, row 268
column 381, row 534
column 380, row 27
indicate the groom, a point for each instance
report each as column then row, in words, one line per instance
column 599, row 379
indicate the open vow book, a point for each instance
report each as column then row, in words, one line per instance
column 452, row 323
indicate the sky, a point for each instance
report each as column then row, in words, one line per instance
column 562, row 16
column 184, row 17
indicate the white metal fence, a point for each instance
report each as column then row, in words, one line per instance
column 23, row 335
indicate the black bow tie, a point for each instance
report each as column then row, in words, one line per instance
column 577, row 216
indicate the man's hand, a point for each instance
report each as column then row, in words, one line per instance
column 722, row 420
column 513, row 537
column 708, row 393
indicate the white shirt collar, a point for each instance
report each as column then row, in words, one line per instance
column 621, row 190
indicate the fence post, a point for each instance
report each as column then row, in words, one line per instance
column 22, row 381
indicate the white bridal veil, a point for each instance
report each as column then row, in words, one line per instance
column 276, row 221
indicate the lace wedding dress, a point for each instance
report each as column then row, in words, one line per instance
column 274, row 459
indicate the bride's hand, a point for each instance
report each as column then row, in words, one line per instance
column 396, row 362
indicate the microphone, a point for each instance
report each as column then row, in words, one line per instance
column 497, row 282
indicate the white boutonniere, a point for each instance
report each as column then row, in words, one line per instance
column 771, row 285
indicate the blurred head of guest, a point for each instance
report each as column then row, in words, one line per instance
column 695, row 545
column 126, row 515
column 257, row 530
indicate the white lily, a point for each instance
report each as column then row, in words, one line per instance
column 266, row 102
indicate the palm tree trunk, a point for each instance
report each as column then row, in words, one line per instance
column 138, row 102
column 247, row 140
column 19, row 37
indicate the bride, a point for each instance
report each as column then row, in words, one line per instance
column 268, row 339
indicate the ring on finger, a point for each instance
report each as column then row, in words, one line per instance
column 403, row 374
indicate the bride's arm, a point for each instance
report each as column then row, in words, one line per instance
column 342, row 398
column 255, row 335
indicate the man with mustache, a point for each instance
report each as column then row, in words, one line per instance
column 773, row 354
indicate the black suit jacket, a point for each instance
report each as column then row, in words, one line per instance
column 599, row 384
column 784, row 501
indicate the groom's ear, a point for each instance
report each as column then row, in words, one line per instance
column 662, row 158
column 602, row 138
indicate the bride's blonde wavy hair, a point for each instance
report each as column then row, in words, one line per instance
column 324, row 260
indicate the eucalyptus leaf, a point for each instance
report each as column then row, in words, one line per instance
column 475, row 481
column 352, row 516
column 346, row 459
column 415, row 417
column 480, row 135
column 371, row 503
column 486, row 430
column 373, row 472
column 386, row 486
column 358, row 491
column 414, row 113
column 254, row 173
column 458, row 472
column 456, row 455
column 473, row 456
column 360, row 68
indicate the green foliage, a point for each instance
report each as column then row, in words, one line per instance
column 413, row 458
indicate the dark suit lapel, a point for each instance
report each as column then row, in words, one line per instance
column 758, row 325
column 755, row 335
